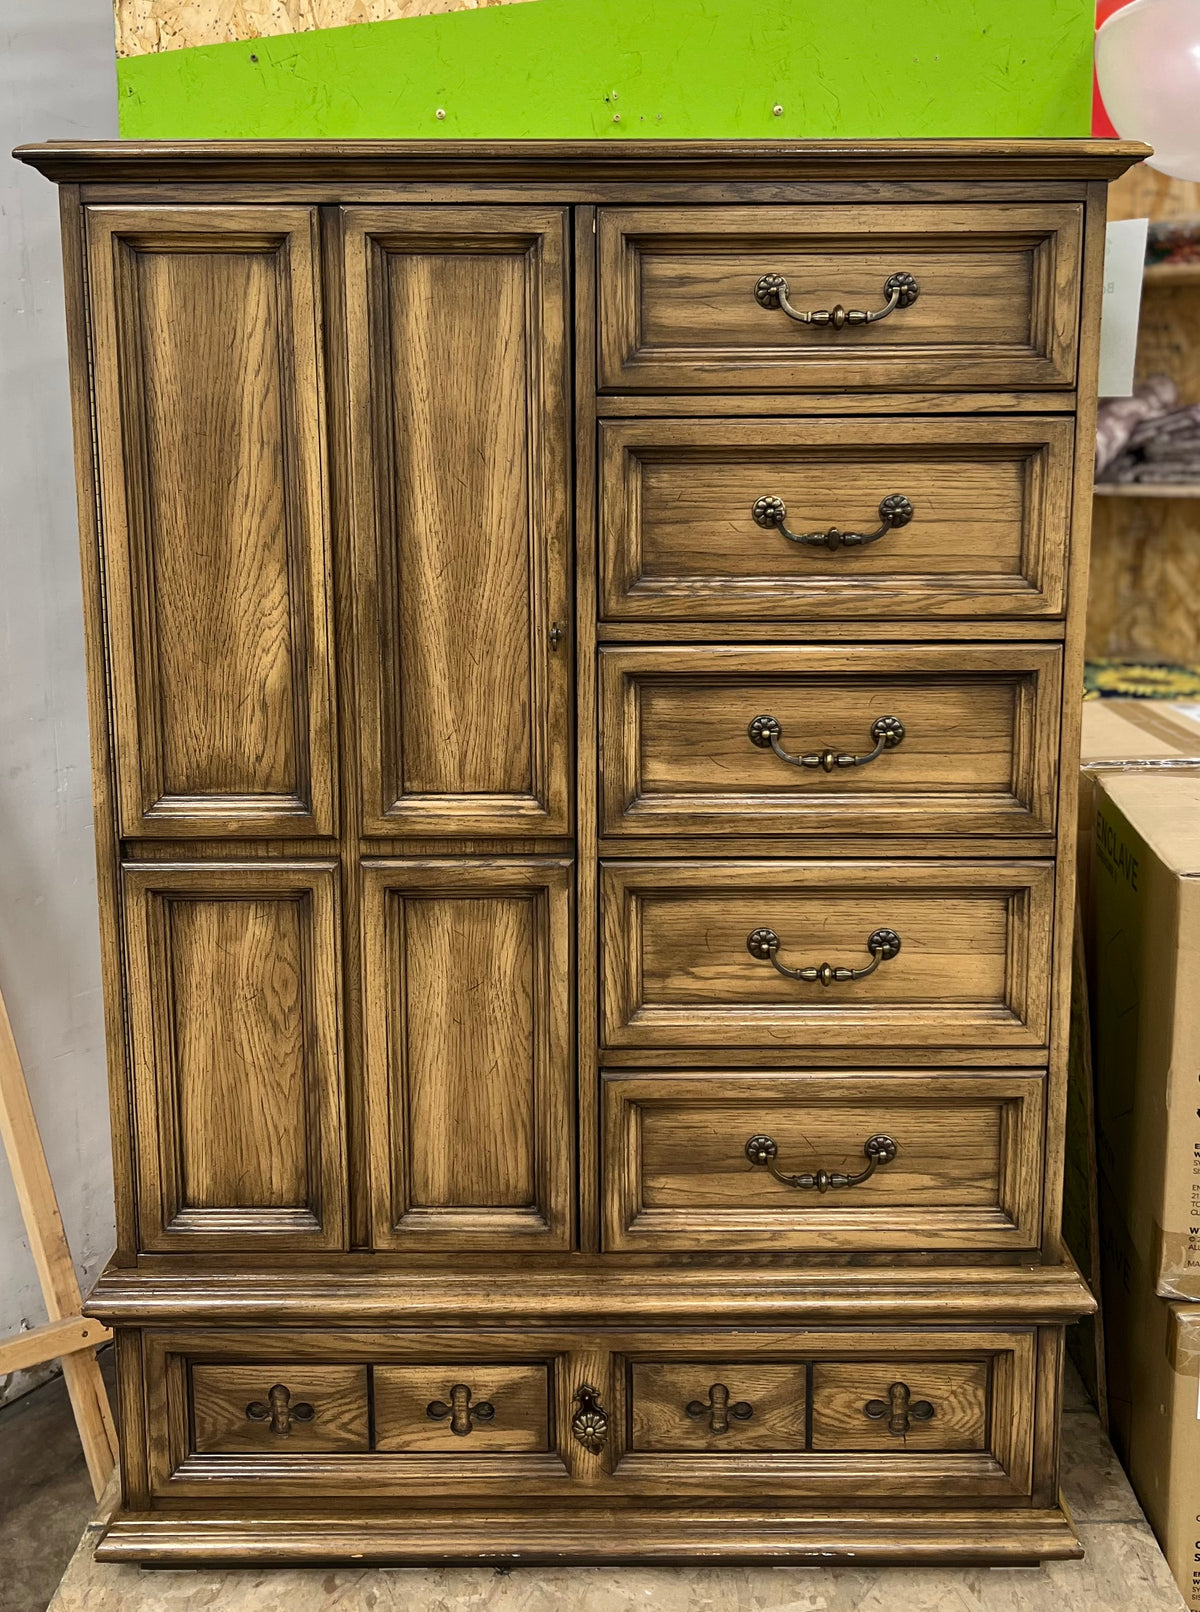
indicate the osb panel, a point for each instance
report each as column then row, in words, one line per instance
column 144, row 26
column 1144, row 597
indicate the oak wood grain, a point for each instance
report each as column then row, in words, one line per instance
column 998, row 304
column 979, row 752
column 967, row 1172
column 519, row 1397
column 234, row 1000
column 661, row 1394
column 209, row 399
column 460, row 469
column 957, row 1391
column 971, row 970
column 467, row 1057
column 223, row 1394
column 679, row 542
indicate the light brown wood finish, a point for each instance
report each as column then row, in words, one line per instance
column 979, row 752
column 975, row 937
column 430, row 433
column 703, row 1406
column 679, row 541
column 461, row 487
column 467, row 974
column 411, row 1404
column 234, row 995
column 966, row 1175
column 998, row 303
column 208, row 395
column 323, row 1408
column 956, row 1390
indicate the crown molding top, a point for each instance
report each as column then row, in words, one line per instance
column 222, row 161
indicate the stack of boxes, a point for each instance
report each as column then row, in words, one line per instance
column 1140, row 900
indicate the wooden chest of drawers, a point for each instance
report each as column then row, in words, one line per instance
column 585, row 653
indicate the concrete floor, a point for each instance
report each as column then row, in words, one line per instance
column 44, row 1490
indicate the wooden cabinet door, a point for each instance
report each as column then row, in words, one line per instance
column 235, row 1020
column 209, row 428
column 461, row 491
column 468, row 1038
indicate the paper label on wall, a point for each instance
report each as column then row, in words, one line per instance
column 1124, row 261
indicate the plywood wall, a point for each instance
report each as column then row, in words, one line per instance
column 1144, row 598
column 152, row 25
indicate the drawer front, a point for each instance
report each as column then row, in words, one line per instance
column 692, row 952
column 498, row 1408
column 913, row 1162
column 943, row 1412
column 721, row 1406
column 287, row 1409
column 686, row 534
column 866, row 739
column 907, row 1404
column 684, row 305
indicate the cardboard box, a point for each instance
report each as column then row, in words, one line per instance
column 1125, row 736
column 1154, row 1402
column 1145, row 956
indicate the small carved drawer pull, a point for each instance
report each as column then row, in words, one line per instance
column 900, row 1409
column 883, row 945
column 718, row 1409
column 894, row 511
column 589, row 1424
column 463, row 1415
column 877, row 1150
column 766, row 732
column 279, row 1411
column 901, row 291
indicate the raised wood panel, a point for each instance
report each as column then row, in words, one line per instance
column 971, row 972
column 468, row 1056
column 679, row 541
column 209, row 430
column 998, row 303
column 966, row 1175
column 461, row 471
column 957, row 1391
column 703, row 1405
column 325, row 1409
column 979, row 754
column 507, row 1408
column 234, row 998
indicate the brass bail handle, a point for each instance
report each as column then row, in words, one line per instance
column 767, row 731
column 883, row 945
column 770, row 511
column 773, row 291
column 877, row 1150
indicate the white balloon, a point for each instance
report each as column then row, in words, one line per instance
column 1148, row 69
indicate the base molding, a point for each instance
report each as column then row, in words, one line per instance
column 957, row 1537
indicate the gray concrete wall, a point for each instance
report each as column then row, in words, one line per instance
column 57, row 80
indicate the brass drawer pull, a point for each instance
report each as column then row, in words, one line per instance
column 877, row 1150
column 894, row 511
column 883, row 945
column 900, row 1409
column 279, row 1411
column 589, row 1424
column 463, row 1415
column 718, row 1409
column 901, row 291
column 766, row 732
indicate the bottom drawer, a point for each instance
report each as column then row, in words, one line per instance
column 567, row 1417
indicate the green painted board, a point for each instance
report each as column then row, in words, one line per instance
column 682, row 69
